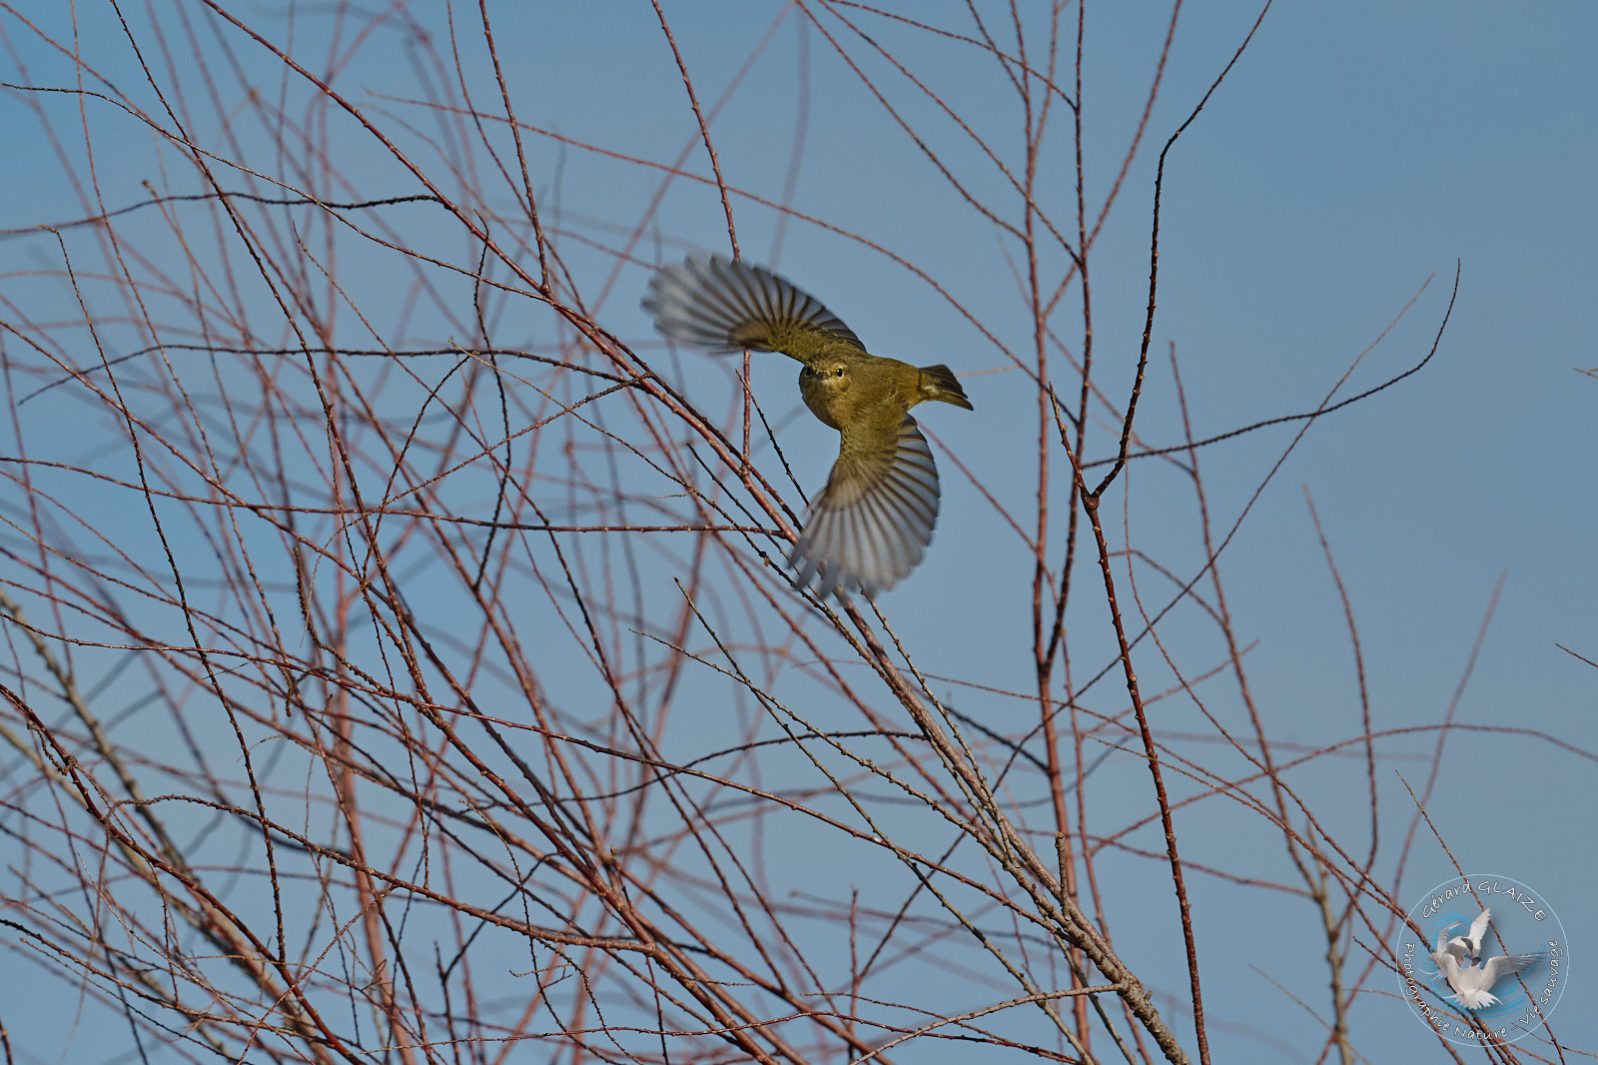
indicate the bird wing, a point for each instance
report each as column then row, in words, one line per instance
column 1449, row 944
column 1495, row 969
column 1478, row 929
column 726, row 305
column 872, row 523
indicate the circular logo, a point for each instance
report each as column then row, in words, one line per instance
column 1490, row 963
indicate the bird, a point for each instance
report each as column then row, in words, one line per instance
column 1469, row 946
column 1473, row 984
column 872, row 523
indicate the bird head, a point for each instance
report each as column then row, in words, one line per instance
column 830, row 372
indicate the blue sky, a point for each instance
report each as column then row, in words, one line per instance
column 1355, row 155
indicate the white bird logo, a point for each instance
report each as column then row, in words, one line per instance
column 1456, row 958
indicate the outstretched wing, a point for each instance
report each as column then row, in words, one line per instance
column 1495, row 969
column 872, row 523
column 726, row 305
column 1478, row 929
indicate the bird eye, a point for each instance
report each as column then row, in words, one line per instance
column 838, row 372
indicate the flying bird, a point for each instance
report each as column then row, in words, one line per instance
column 871, row 524
column 1473, row 984
column 1467, row 948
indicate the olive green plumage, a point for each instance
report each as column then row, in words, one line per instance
column 872, row 523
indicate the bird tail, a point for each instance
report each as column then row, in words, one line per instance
column 938, row 382
column 1473, row 999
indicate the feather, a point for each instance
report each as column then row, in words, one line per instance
column 872, row 523
column 727, row 305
